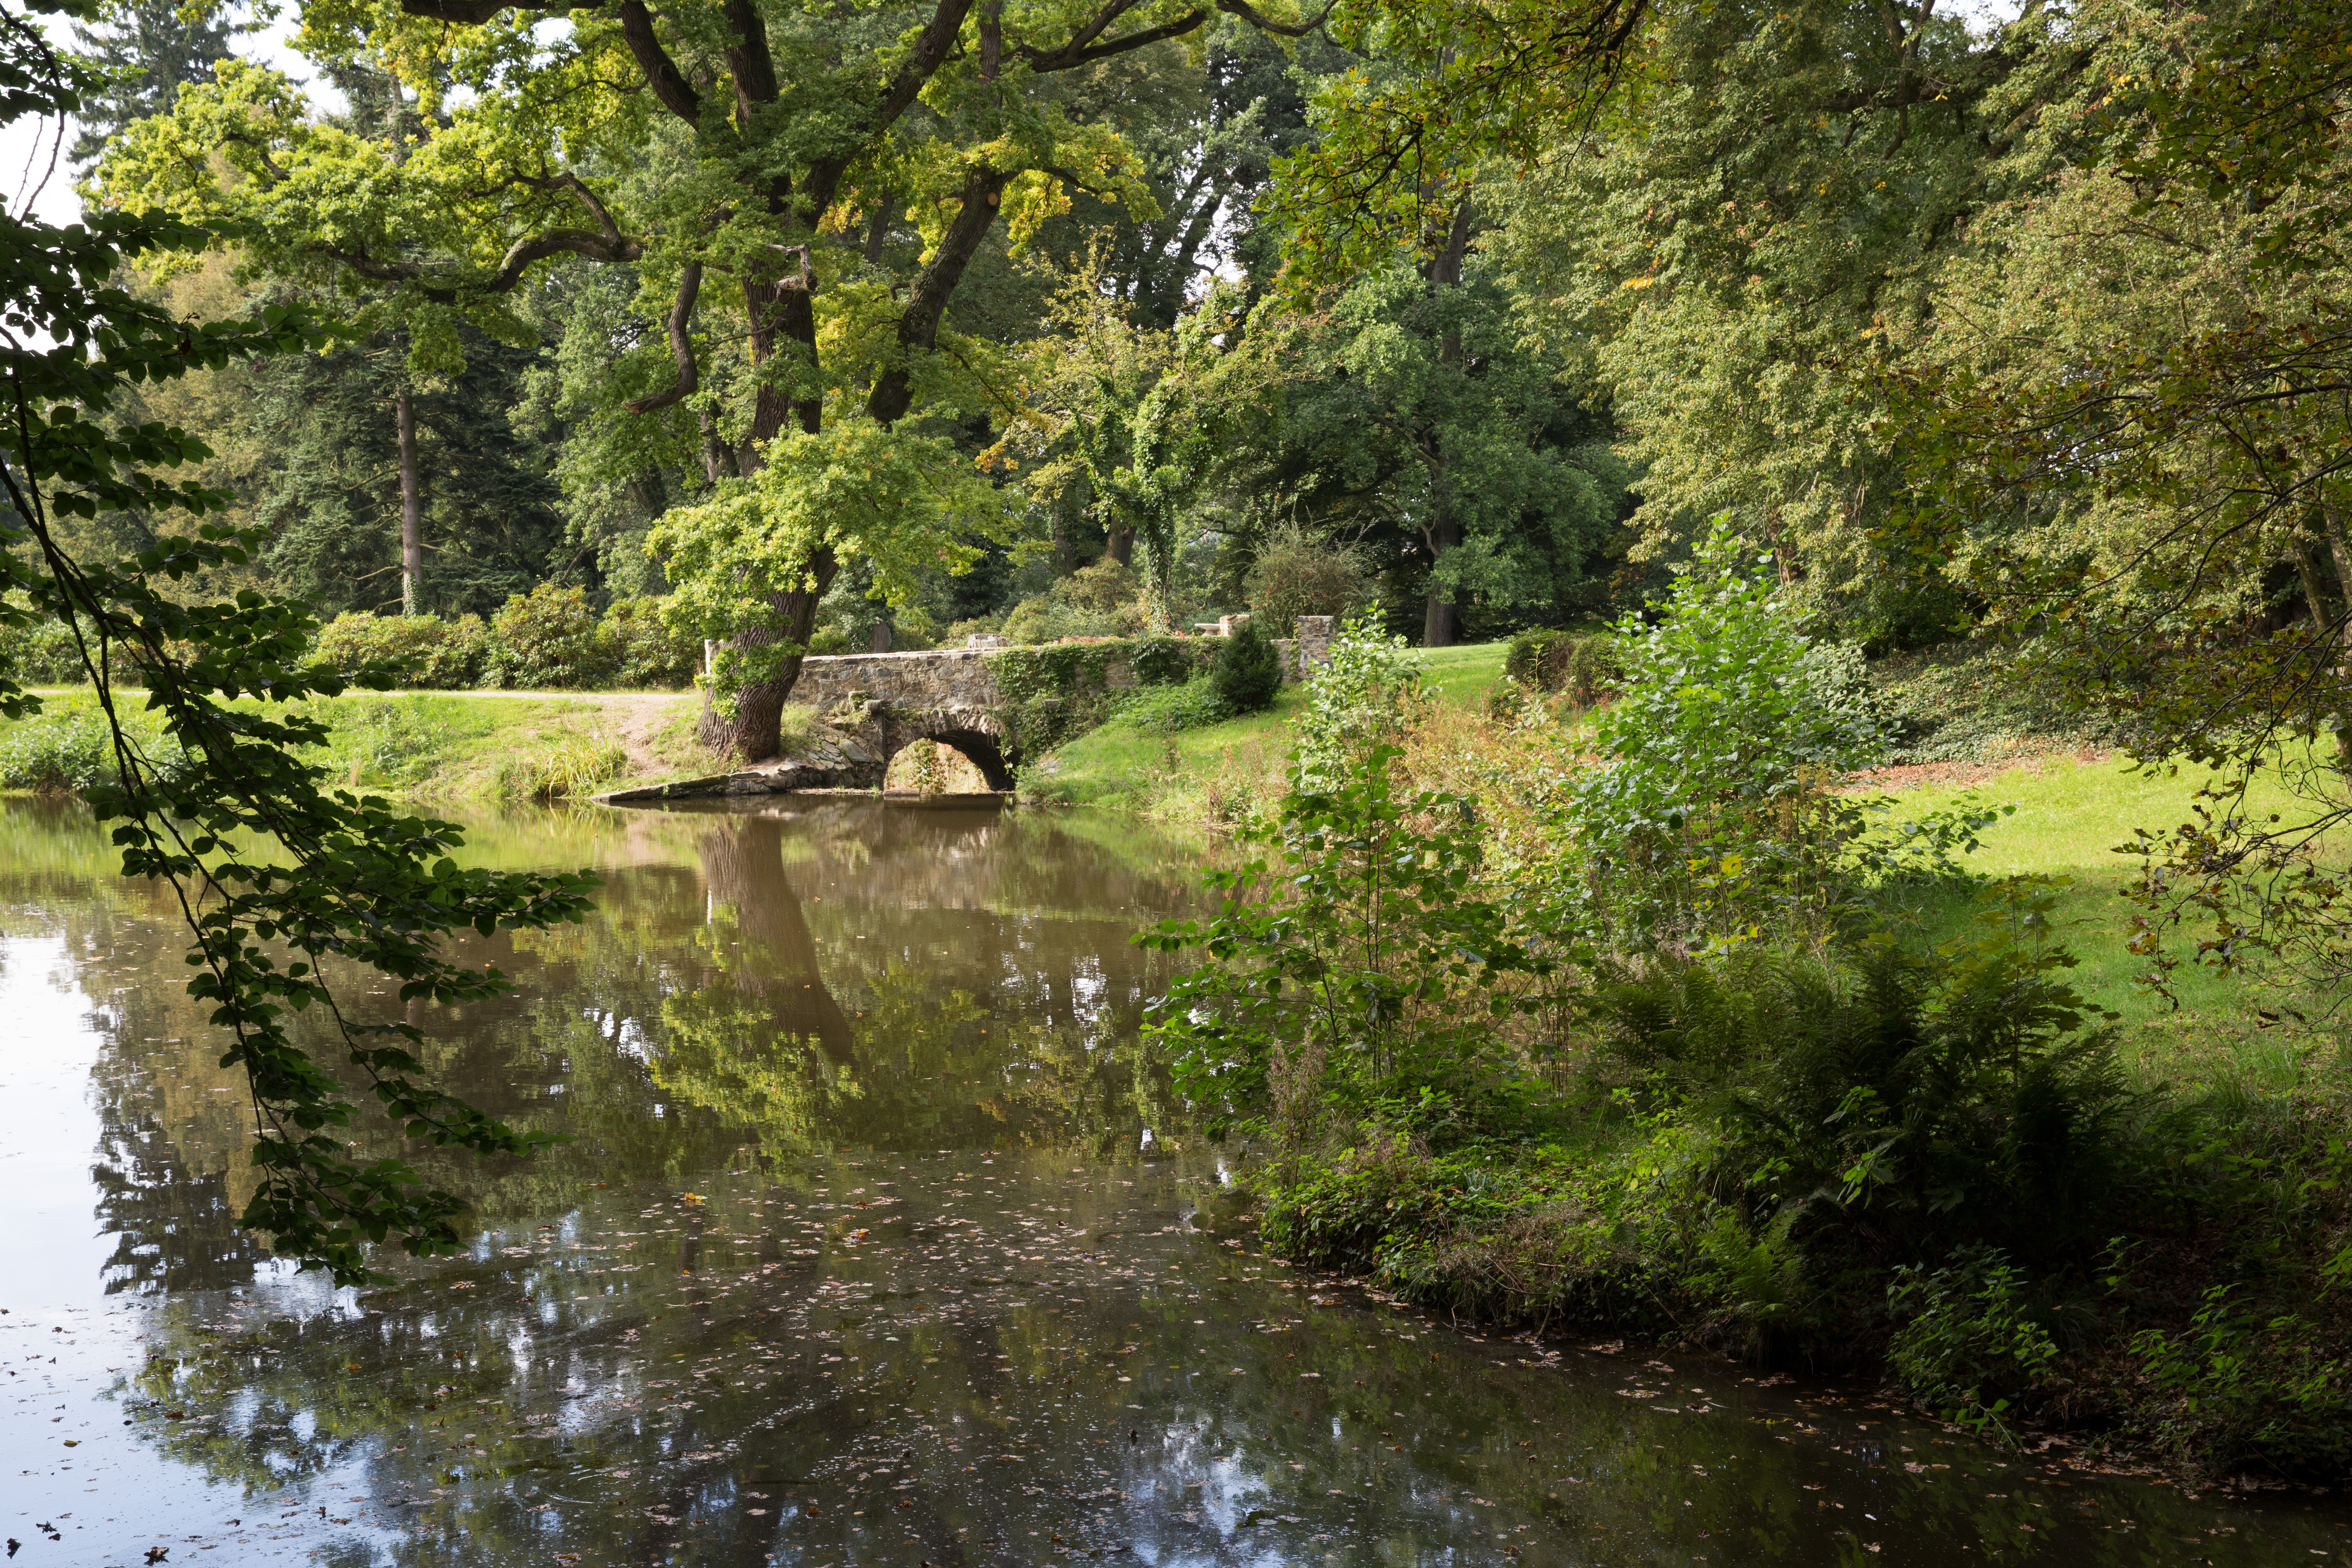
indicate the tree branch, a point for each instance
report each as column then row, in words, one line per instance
column 748, row 59
column 670, row 83
column 1266, row 23
column 919, row 325
column 518, row 256
column 681, row 345
column 1078, row 52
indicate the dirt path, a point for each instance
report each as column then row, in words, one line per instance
column 638, row 720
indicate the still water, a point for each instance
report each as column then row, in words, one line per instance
column 877, row 1242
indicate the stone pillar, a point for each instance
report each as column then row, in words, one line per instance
column 1314, row 634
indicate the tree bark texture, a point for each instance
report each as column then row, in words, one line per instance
column 753, row 734
column 412, row 507
column 1439, row 624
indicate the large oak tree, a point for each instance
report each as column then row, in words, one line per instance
column 747, row 161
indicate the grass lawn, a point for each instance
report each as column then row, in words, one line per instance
column 2071, row 814
column 1206, row 773
column 448, row 745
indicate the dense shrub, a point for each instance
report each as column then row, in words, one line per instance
column 1587, row 667
column 1299, row 571
column 644, row 650
column 1165, row 710
column 1911, row 1105
column 1364, row 697
column 431, row 653
column 43, row 654
column 67, row 746
column 1104, row 600
column 548, row 639
column 1054, row 692
column 1163, row 660
column 1963, row 703
column 1538, row 658
column 1713, row 811
column 1248, row 673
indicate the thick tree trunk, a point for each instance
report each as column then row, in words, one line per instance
column 2306, row 562
column 1119, row 545
column 412, row 507
column 1439, row 624
column 753, row 733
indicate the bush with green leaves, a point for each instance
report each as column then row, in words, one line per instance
column 68, row 747
column 1586, row 666
column 1537, row 658
column 2252, row 1388
column 1166, row 660
column 1362, row 698
column 1104, row 600
column 1910, row 1103
column 40, row 653
column 1299, row 571
column 430, row 653
column 1355, row 963
column 1711, row 814
column 1972, row 1341
column 549, row 640
column 646, row 651
column 1248, row 672
column 1168, row 710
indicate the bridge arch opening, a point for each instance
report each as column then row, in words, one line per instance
column 952, row 761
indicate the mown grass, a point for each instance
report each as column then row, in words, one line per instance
column 429, row 745
column 1217, row 773
column 2072, row 814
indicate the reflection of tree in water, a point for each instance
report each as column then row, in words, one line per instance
column 174, row 1230
column 971, row 1025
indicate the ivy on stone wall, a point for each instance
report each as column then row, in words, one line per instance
column 1055, row 692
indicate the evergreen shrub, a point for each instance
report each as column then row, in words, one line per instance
column 1248, row 672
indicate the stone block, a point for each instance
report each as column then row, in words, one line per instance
column 1314, row 634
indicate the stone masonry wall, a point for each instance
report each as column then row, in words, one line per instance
column 941, row 677
column 958, row 678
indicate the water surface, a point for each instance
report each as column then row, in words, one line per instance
column 877, row 1241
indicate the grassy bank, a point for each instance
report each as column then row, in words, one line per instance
column 2029, row 1196
column 1219, row 772
column 430, row 745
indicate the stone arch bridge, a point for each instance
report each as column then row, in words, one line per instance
column 877, row 704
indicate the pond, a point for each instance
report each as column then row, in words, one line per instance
column 877, row 1241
